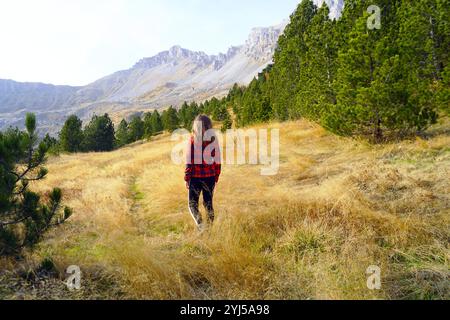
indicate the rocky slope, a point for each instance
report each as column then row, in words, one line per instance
column 179, row 74
column 168, row 78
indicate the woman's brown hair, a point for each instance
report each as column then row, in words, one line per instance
column 202, row 123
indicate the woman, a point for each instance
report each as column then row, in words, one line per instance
column 203, row 168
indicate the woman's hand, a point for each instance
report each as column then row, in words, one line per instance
column 187, row 185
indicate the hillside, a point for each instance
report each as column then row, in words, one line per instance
column 337, row 207
column 168, row 78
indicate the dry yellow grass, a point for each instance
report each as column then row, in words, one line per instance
column 336, row 207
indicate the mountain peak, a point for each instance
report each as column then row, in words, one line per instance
column 176, row 51
column 174, row 55
column 259, row 46
column 167, row 78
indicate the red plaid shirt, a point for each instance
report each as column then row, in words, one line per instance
column 204, row 162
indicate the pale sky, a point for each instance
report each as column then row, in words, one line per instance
column 75, row 42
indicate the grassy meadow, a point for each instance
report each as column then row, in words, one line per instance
column 337, row 206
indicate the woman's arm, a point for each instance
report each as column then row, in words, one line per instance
column 218, row 161
column 189, row 164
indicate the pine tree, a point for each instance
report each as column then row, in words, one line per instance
column 379, row 82
column 170, row 119
column 235, row 93
column 52, row 144
column 136, row 129
column 122, row 134
column 156, row 123
column 212, row 107
column 148, row 132
column 426, row 24
column 187, row 114
column 205, row 107
column 288, row 60
column 423, row 43
column 255, row 104
column 99, row 134
column 194, row 111
column 264, row 111
column 318, row 71
column 227, row 123
column 442, row 10
column 201, row 108
column 71, row 135
column 24, row 219
column 443, row 95
column 220, row 112
column 250, row 103
column 372, row 97
column 183, row 115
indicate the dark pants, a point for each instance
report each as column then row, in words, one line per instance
column 206, row 187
